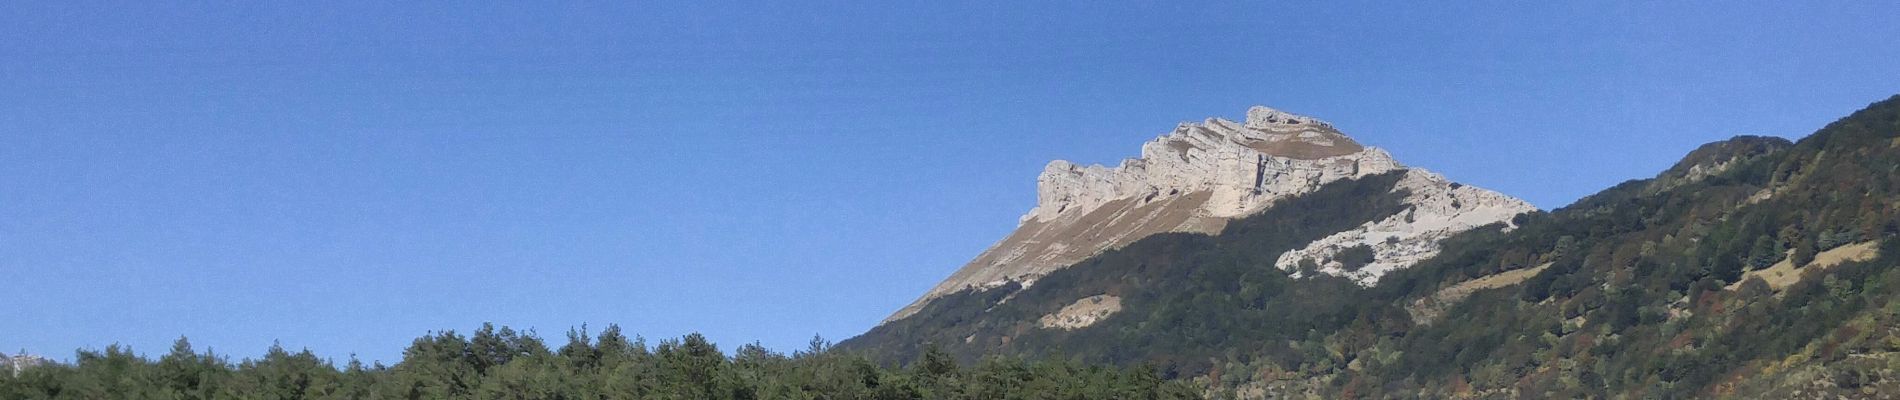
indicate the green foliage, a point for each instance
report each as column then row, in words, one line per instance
column 1356, row 257
column 1637, row 300
column 1765, row 252
column 505, row 364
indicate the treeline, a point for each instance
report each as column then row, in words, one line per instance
column 507, row 364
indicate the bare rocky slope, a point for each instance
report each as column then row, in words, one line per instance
column 1202, row 175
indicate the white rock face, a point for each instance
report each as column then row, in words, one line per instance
column 1195, row 179
column 1082, row 313
column 1439, row 210
column 1273, row 155
column 14, row 364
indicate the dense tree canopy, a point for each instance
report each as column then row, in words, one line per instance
column 505, row 364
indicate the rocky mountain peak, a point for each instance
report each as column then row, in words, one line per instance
column 1263, row 117
column 1201, row 175
column 1241, row 167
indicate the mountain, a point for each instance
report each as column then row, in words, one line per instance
column 1280, row 190
column 1755, row 267
column 1201, row 176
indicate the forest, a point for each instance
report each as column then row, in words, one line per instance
column 503, row 363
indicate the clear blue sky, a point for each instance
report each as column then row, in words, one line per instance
column 348, row 177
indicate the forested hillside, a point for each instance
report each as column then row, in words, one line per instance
column 1773, row 274
column 505, row 364
column 1755, row 267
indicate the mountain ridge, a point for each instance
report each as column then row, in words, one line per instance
column 1198, row 177
column 1752, row 267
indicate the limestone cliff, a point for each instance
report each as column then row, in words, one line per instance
column 1199, row 176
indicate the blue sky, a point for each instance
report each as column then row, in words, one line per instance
column 351, row 176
